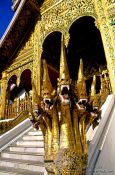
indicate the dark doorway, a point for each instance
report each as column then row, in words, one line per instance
column 12, row 89
column 25, row 80
column 86, row 43
column 51, row 52
column 24, row 86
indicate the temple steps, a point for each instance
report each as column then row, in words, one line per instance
column 25, row 156
column 35, row 133
column 13, row 171
column 31, row 143
column 26, row 149
column 32, row 138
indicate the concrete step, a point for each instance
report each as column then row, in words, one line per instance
column 30, row 143
column 35, row 133
column 23, row 156
column 14, row 171
column 22, row 164
column 26, row 149
column 30, row 137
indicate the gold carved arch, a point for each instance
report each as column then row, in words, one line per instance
column 22, row 70
column 78, row 17
column 25, row 68
column 65, row 30
column 61, row 16
column 18, row 72
column 50, row 32
column 11, row 75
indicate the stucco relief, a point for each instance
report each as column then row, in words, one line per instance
column 19, row 71
column 107, row 39
column 110, row 2
column 61, row 16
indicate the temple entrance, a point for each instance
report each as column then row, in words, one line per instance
column 85, row 42
column 14, row 91
column 25, row 82
column 51, row 52
column 17, row 95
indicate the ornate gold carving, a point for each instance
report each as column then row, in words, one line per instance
column 107, row 38
column 46, row 87
column 17, row 70
column 67, row 37
column 63, row 117
column 93, row 87
column 110, row 2
column 96, row 24
column 6, row 126
column 81, row 85
column 105, row 85
column 26, row 46
column 60, row 16
column 37, row 56
column 3, row 94
column 68, row 162
column 64, row 77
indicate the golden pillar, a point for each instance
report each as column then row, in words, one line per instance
column 18, row 77
column 107, row 39
column 110, row 16
column 36, row 74
column 3, row 94
column 66, row 38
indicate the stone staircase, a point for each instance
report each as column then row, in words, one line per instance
column 25, row 156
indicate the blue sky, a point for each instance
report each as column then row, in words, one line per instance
column 6, row 14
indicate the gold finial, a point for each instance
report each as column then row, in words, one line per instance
column 47, row 86
column 81, row 84
column 64, row 77
column 93, row 86
column 83, row 92
column 80, row 72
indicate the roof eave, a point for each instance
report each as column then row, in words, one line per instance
column 10, row 26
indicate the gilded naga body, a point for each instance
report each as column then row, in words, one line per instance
column 63, row 116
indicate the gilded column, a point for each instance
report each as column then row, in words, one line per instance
column 18, row 77
column 109, row 7
column 66, row 38
column 3, row 94
column 36, row 77
column 109, row 48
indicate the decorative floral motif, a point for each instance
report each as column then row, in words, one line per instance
column 63, row 14
column 70, row 162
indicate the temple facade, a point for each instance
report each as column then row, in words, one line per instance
column 35, row 31
column 34, row 34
